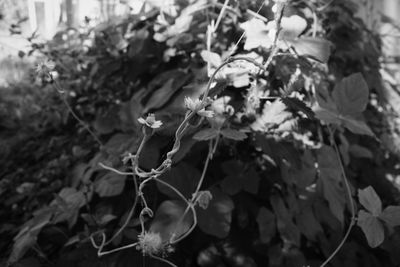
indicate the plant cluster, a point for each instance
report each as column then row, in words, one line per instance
column 222, row 134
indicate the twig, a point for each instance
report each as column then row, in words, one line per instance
column 278, row 21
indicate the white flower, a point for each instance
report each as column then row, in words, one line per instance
column 150, row 243
column 203, row 198
column 45, row 67
column 198, row 106
column 150, row 121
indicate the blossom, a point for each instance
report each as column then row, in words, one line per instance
column 150, row 243
column 198, row 106
column 150, row 121
column 203, row 198
column 45, row 67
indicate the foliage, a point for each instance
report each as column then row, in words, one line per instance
column 190, row 148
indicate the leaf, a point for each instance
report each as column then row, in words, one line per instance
column 110, row 184
column 272, row 115
column 68, row 201
column 298, row 105
column 257, row 34
column 216, row 219
column 239, row 178
column 372, row 228
column 308, row 224
column 27, row 236
column 370, row 200
column 233, row 134
column 330, row 180
column 360, row 152
column 168, row 220
column 351, row 95
column 328, row 163
column 292, row 27
column 356, row 126
column 183, row 177
column 168, row 83
column 206, row 134
column 349, row 99
column 391, row 215
column 210, row 57
column 288, row 230
column 266, row 225
column 335, row 195
column 314, row 47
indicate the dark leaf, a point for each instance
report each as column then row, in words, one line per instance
column 266, row 225
column 168, row 220
column 110, row 184
column 216, row 219
column 308, row 224
column 288, row 230
column 351, row 95
column 233, row 134
column 314, row 47
column 206, row 134
column 183, row 177
column 298, row 105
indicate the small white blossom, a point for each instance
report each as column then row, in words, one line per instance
column 150, row 121
column 199, row 107
column 203, row 198
column 45, row 67
column 193, row 105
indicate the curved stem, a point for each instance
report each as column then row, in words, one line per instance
column 352, row 208
column 76, row 117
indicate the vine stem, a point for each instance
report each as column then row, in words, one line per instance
column 58, row 87
column 352, row 208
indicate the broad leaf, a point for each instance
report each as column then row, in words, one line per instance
column 206, row 134
column 391, row 215
column 27, row 236
column 335, row 195
column 183, row 177
column 266, row 225
column 370, row 200
column 110, row 184
column 233, row 134
column 372, row 228
column 349, row 98
column 314, row 47
column 360, row 151
column 288, row 230
column 330, row 181
column 68, row 203
column 356, row 126
column 351, row 95
column 216, row 219
column 168, row 220
column 308, row 224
